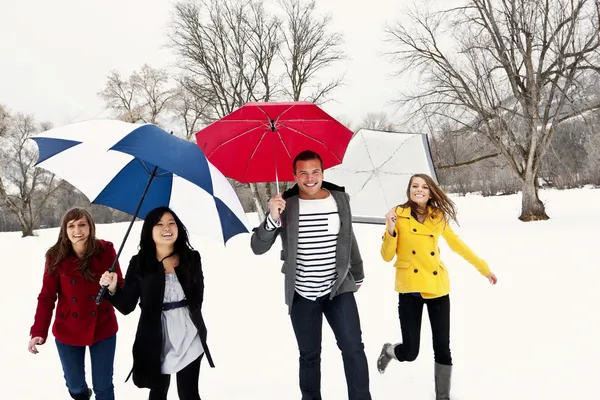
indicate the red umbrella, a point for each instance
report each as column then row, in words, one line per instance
column 258, row 141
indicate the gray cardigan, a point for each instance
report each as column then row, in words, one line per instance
column 349, row 263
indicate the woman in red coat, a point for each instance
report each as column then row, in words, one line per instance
column 73, row 267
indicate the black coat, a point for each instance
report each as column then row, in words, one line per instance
column 149, row 289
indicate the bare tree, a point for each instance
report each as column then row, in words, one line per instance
column 190, row 111
column 378, row 121
column 24, row 189
column 309, row 49
column 144, row 97
column 226, row 50
column 514, row 74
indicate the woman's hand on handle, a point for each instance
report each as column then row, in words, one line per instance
column 109, row 279
column 391, row 218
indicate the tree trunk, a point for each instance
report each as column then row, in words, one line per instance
column 532, row 209
column 26, row 230
column 257, row 202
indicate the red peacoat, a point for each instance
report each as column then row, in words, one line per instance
column 78, row 321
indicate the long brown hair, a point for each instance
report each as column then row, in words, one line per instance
column 63, row 247
column 439, row 201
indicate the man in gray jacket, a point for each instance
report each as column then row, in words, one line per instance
column 323, row 268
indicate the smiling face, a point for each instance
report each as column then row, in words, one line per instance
column 78, row 231
column 419, row 191
column 309, row 177
column 165, row 231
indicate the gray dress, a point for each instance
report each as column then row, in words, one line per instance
column 181, row 342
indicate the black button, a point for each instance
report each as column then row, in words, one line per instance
column 72, row 281
column 74, row 315
column 435, row 272
column 414, row 229
column 414, row 252
column 430, row 235
column 108, row 309
column 92, row 297
column 416, row 270
column 61, row 316
column 93, row 313
column 73, row 299
column 433, row 253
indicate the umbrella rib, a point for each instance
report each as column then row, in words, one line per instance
column 311, row 138
column 234, row 138
column 254, row 152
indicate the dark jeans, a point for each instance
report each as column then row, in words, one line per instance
column 342, row 314
column 410, row 311
column 187, row 383
column 102, row 355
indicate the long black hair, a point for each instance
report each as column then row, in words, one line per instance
column 147, row 247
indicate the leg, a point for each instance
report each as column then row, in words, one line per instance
column 161, row 388
column 410, row 312
column 187, row 381
column 103, row 358
column 307, row 321
column 342, row 314
column 439, row 317
column 72, row 359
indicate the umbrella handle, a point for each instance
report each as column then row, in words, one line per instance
column 112, row 268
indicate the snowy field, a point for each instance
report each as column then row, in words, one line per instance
column 533, row 336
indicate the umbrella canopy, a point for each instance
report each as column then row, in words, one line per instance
column 113, row 162
column 377, row 168
column 258, row 141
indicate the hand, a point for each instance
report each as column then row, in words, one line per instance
column 109, row 279
column 276, row 206
column 492, row 278
column 33, row 342
column 391, row 218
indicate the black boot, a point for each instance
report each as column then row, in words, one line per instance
column 82, row 396
column 443, row 377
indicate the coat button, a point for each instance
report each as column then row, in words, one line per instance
column 93, row 313
column 435, row 272
column 73, row 299
column 74, row 315
column 416, row 270
column 433, row 253
column 61, row 316
column 414, row 252
column 72, row 281
column 414, row 229
column 108, row 309
column 92, row 297
column 430, row 235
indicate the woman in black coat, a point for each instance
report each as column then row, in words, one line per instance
column 166, row 277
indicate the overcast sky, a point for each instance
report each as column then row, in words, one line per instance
column 55, row 55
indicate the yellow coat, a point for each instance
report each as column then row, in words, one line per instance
column 418, row 264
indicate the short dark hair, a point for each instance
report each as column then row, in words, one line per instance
column 307, row 155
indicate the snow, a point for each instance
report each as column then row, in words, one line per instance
column 533, row 336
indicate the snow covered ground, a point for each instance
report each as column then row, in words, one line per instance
column 533, row 336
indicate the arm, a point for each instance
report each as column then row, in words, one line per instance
column 460, row 248
column 356, row 262
column 389, row 244
column 45, row 306
column 264, row 236
column 197, row 263
column 126, row 296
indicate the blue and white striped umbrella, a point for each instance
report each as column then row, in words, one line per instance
column 111, row 163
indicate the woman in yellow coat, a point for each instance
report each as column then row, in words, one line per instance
column 412, row 233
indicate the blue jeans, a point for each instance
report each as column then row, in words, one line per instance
column 102, row 355
column 342, row 314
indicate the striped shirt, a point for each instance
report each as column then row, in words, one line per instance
column 319, row 226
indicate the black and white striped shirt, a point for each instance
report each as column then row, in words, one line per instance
column 319, row 226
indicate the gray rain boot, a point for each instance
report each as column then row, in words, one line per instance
column 443, row 376
column 386, row 355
